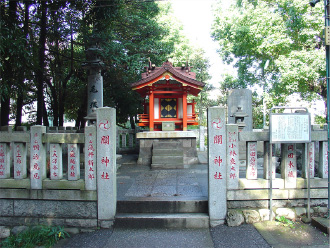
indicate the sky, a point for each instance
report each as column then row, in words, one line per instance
column 197, row 18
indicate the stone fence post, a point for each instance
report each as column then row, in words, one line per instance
column 106, row 166
column 37, row 157
column 217, row 147
column 232, row 156
column 201, row 138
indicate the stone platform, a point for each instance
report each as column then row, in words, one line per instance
column 153, row 143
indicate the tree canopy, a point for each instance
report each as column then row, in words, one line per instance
column 43, row 44
column 274, row 44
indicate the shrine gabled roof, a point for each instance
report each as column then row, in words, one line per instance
column 181, row 73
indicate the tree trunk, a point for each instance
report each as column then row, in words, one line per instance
column 41, row 64
column 5, row 106
column 20, row 93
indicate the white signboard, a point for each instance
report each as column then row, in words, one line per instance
column 290, row 128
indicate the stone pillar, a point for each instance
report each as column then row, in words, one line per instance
column 266, row 160
column 289, row 165
column 201, row 138
column 95, row 90
column 20, row 168
column 130, row 140
column 56, row 162
column 123, row 140
column 73, row 162
column 232, row 156
column 251, row 160
column 308, row 160
column 37, row 157
column 106, row 166
column 90, row 158
column 4, row 160
column 217, row 157
column 323, row 165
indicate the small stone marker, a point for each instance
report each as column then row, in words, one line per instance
column 106, row 165
column 308, row 160
column 232, row 156
column 20, row 169
column 251, row 160
column 323, row 165
column 37, row 157
column 289, row 165
column 90, row 158
column 217, row 165
column 4, row 160
column 73, row 162
column 56, row 165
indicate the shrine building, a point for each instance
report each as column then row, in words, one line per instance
column 165, row 90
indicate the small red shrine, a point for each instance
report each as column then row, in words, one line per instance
column 165, row 90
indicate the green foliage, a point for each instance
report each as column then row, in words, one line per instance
column 285, row 221
column 321, row 120
column 127, row 32
column 36, row 236
column 276, row 45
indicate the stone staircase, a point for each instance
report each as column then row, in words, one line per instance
column 162, row 213
column 167, row 155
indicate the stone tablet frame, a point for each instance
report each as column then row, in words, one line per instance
column 278, row 133
column 281, row 124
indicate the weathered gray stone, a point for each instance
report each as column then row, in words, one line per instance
column 323, row 164
column 251, row 216
column 266, row 160
column 286, row 212
column 18, row 229
column 90, row 158
column 6, row 207
column 232, row 156
column 201, row 138
column 240, row 98
column 15, row 221
column 289, row 165
column 20, row 167
column 251, row 160
column 4, row 160
column 265, row 214
column 72, row 230
column 95, row 89
column 106, row 163
column 106, row 224
column 37, row 157
column 300, row 211
column 217, row 165
column 58, row 209
column 73, row 162
column 308, row 161
column 56, row 162
column 86, row 223
column 320, row 209
column 234, row 217
column 4, row 232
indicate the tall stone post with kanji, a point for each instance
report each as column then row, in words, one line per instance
column 217, row 153
column 106, row 166
column 94, row 65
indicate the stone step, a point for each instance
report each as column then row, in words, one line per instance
column 167, row 152
column 157, row 220
column 166, row 145
column 167, row 160
column 168, row 166
column 181, row 205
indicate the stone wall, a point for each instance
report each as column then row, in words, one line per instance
column 69, row 208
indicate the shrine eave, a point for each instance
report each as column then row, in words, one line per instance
column 160, row 72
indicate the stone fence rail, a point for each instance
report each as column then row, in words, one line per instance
column 251, row 188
